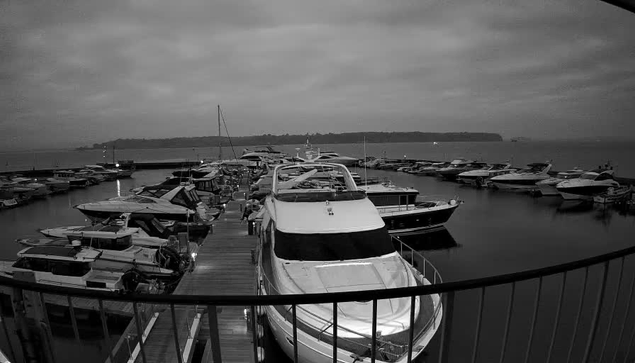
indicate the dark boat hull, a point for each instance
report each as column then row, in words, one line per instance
column 409, row 222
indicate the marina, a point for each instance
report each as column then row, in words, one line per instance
column 225, row 259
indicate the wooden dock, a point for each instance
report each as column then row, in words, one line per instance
column 223, row 267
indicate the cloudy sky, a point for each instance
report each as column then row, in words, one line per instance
column 74, row 72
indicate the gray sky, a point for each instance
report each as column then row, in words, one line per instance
column 74, row 72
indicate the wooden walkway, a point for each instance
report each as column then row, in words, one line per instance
column 223, row 267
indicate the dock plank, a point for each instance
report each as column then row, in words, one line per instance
column 223, row 267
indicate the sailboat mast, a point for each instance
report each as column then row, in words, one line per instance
column 365, row 162
column 220, row 148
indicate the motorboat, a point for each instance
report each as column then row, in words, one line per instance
column 6, row 203
column 116, row 230
column 587, row 185
column 108, row 174
column 614, row 195
column 524, row 179
column 419, row 165
column 482, row 177
column 71, row 178
column 322, row 236
column 10, row 192
column 457, row 167
column 205, row 170
column 204, row 187
column 67, row 267
column 181, row 195
column 262, row 152
column 177, row 204
column 547, row 187
column 333, row 157
column 91, row 175
column 56, row 185
column 404, row 211
column 432, row 169
column 118, row 254
column 39, row 190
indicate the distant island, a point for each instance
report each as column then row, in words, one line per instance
column 319, row 139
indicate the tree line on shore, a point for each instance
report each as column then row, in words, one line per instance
column 286, row 139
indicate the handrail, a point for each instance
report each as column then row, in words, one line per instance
column 244, row 300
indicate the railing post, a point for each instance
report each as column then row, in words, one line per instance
column 71, row 309
column 478, row 324
column 628, row 311
column 139, row 331
column 104, row 327
column 413, row 301
column 617, row 294
column 577, row 319
column 22, row 327
column 335, row 332
column 557, row 317
column 446, row 327
column 510, row 308
column 214, row 334
column 596, row 315
column 295, row 333
column 175, row 329
column 373, row 341
column 534, row 319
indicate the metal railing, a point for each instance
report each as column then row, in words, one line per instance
column 573, row 312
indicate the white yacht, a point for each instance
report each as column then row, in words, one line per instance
column 331, row 157
column 262, row 152
column 482, row 177
column 587, row 185
column 57, row 186
column 118, row 254
column 404, row 211
column 39, row 190
column 108, row 174
column 91, row 175
column 547, row 187
column 524, row 179
column 69, row 176
column 66, row 267
column 177, row 204
column 322, row 236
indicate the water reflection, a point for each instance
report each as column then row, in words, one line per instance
column 439, row 239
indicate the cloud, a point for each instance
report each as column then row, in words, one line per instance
column 77, row 72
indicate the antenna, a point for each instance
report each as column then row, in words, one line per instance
column 365, row 163
column 220, row 148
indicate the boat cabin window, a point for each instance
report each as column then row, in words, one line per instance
column 116, row 244
column 589, row 176
column 66, row 268
column 333, row 246
column 604, row 176
column 152, row 227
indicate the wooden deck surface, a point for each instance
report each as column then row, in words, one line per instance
column 223, row 267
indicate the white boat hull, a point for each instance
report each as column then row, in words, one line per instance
column 514, row 187
column 548, row 190
column 312, row 350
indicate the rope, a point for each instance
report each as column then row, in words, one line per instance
column 228, row 138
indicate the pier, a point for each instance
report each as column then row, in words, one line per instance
column 223, row 267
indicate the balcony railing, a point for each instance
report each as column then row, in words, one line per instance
column 573, row 312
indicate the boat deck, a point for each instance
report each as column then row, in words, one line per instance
column 223, row 267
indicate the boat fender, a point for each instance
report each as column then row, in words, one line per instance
column 452, row 202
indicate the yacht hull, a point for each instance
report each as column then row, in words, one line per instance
column 417, row 219
column 548, row 190
column 312, row 350
column 524, row 185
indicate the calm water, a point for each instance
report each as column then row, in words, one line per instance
column 564, row 155
column 492, row 233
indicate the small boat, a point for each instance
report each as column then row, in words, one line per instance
column 262, row 152
column 92, row 176
column 117, row 254
column 67, row 267
column 71, row 178
column 587, row 185
column 56, row 185
column 343, row 246
column 39, row 190
column 459, row 166
column 404, row 211
column 613, row 195
column 205, row 187
column 547, row 187
column 524, row 179
column 432, row 169
column 482, row 177
column 108, row 174
column 8, row 202
column 333, row 157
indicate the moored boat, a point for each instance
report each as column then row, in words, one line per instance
column 404, row 211
column 482, row 177
column 524, row 179
column 614, row 195
column 587, row 185
column 344, row 246
column 71, row 178
column 547, row 187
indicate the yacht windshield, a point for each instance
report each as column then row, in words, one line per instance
column 588, row 176
column 333, row 246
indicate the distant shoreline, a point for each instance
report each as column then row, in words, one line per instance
column 275, row 140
